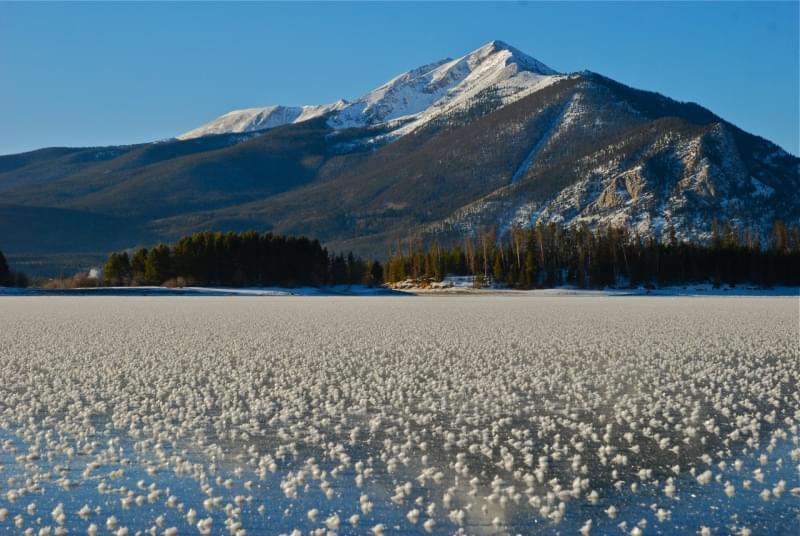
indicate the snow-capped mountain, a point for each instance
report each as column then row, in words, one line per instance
column 410, row 100
column 492, row 139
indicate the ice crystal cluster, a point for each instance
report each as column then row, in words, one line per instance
column 474, row 415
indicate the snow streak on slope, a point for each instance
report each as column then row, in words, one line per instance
column 539, row 145
column 411, row 99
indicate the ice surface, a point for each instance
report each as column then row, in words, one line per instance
column 529, row 415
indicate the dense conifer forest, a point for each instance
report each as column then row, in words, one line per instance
column 239, row 259
column 552, row 255
column 539, row 257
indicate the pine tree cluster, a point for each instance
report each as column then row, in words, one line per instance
column 553, row 255
column 239, row 259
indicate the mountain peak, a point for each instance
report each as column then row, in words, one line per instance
column 497, row 45
column 513, row 55
column 410, row 99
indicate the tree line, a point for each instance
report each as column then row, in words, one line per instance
column 9, row 278
column 554, row 255
column 240, row 259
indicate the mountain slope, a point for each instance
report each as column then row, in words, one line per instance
column 491, row 139
column 585, row 149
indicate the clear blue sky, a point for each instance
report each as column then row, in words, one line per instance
column 99, row 74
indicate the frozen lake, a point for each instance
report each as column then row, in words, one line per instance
column 425, row 415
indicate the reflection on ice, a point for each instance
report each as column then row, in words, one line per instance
column 428, row 415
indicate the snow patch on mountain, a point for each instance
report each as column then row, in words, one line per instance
column 252, row 119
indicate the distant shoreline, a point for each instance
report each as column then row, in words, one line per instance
column 364, row 291
column 664, row 292
column 339, row 290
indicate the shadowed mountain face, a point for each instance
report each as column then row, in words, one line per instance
column 509, row 149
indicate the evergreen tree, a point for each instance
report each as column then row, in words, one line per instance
column 9, row 278
column 5, row 273
column 138, row 264
column 498, row 273
column 157, row 266
column 529, row 270
column 375, row 272
column 117, row 270
column 355, row 269
column 339, row 274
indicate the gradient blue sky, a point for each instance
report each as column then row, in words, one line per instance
column 100, row 74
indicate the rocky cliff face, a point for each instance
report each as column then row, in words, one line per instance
column 622, row 157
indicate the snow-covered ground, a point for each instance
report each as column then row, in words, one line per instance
column 465, row 284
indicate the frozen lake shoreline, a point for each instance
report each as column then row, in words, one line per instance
column 360, row 290
column 355, row 290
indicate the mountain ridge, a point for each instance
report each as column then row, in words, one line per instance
column 435, row 87
column 575, row 148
